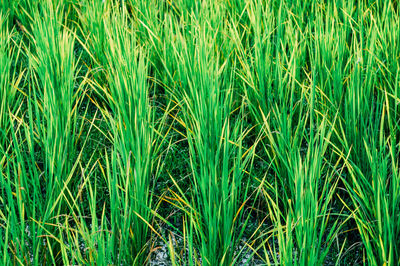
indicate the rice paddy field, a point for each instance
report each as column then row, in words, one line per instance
column 188, row 132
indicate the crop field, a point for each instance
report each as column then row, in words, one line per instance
column 200, row 132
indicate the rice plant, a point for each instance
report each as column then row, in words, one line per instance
column 214, row 136
column 134, row 165
column 50, row 129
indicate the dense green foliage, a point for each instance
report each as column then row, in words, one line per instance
column 221, row 132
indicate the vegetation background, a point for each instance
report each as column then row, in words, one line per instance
column 222, row 132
